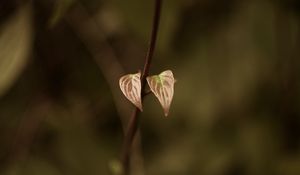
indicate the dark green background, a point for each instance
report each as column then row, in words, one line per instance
column 236, row 105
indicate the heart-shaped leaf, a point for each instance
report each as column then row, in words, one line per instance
column 131, row 87
column 162, row 86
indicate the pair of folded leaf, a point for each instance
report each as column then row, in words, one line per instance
column 161, row 85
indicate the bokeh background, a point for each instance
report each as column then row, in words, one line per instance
column 237, row 98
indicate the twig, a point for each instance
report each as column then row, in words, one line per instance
column 133, row 122
column 95, row 41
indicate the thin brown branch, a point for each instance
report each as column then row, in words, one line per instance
column 134, row 120
column 94, row 39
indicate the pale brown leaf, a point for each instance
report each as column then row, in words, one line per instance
column 162, row 86
column 131, row 87
column 16, row 36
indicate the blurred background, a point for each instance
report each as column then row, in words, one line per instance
column 237, row 98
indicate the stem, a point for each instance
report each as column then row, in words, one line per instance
column 133, row 123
